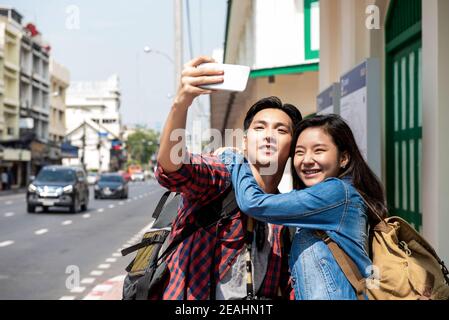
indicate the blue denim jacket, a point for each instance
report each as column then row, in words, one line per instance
column 333, row 206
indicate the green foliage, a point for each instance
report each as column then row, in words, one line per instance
column 142, row 145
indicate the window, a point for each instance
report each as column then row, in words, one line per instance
column 312, row 29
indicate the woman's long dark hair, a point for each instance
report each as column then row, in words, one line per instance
column 363, row 178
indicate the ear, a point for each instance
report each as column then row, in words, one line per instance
column 344, row 160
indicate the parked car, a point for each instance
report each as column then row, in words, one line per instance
column 58, row 186
column 111, row 185
column 92, row 178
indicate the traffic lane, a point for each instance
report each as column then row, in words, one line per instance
column 37, row 269
column 22, row 226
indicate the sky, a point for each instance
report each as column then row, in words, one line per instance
column 96, row 39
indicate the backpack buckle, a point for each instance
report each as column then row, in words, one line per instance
column 404, row 247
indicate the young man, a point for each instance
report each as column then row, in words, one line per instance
column 202, row 179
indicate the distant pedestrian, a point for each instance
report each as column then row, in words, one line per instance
column 5, row 180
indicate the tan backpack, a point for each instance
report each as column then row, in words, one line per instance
column 405, row 266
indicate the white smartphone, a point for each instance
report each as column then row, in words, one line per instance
column 235, row 77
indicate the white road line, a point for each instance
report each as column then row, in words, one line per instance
column 8, row 202
column 121, row 203
column 104, row 266
column 102, row 288
column 111, row 206
column 129, row 200
column 135, row 198
column 88, row 281
column 96, row 273
column 9, row 214
column 67, row 222
column 100, row 210
column 41, row 232
column 78, row 290
column 92, row 298
column 67, row 298
column 111, row 260
column 116, row 254
column 6, row 243
column 86, row 216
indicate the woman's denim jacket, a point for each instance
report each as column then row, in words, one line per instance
column 333, row 206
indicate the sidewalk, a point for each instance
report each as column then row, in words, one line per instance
column 12, row 192
column 108, row 290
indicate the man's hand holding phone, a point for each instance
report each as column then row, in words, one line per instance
column 192, row 78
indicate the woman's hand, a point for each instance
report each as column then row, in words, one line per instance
column 230, row 157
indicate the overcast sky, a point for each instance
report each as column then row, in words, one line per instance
column 108, row 36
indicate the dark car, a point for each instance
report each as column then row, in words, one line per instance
column 111, row 185
column 59, row 186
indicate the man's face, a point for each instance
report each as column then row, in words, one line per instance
column 267, row 141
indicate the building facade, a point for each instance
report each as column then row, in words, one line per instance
column 60, row 81
column 14, row 158
column 409, row 39
column 95, row 106
column 279, row 40
column 35, row 84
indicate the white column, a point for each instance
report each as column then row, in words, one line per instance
column 435, row 124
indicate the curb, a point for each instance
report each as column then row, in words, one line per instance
column 108, row 290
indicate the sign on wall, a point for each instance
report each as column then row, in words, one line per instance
column 328, row 101
column 360, row 106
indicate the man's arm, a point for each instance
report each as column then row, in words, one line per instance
column 192, row 78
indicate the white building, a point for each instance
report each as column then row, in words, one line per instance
column 94, row 143
column 94, row 108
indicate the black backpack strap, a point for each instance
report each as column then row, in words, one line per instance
column 224, row 207
column 161, row 204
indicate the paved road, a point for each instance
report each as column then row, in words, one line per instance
column 40, row 253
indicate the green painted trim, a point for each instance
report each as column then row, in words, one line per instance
column 309, row 53
column 301, row 68
column 405, row 36
column 228, row 18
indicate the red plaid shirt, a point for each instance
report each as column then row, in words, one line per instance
column 200, row 182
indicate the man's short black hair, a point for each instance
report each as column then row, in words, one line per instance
column 272, row 103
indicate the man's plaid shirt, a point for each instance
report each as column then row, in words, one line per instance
column 200, row 182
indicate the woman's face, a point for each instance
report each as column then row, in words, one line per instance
column 317, row 157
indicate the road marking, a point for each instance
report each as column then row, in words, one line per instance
column 121, row 203
column 116, row 254
column 8, row 202
column 6, row 243
column 67, row 298
column 9, row 214
column 100, row 210
column 111, row 206
column 86, row 216
column 41, row 232
column 129, row 200
column 90, row 297
column 111, row 260
column 135, row 198
column 67, row 222
column 88, row 280
column 96, row 273
column 102, row 288
column 104, row 266
column 78, row 290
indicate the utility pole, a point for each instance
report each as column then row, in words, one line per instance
column 84, row 145
column 178, row 42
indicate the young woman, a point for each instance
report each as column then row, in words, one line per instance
column 335, row 188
